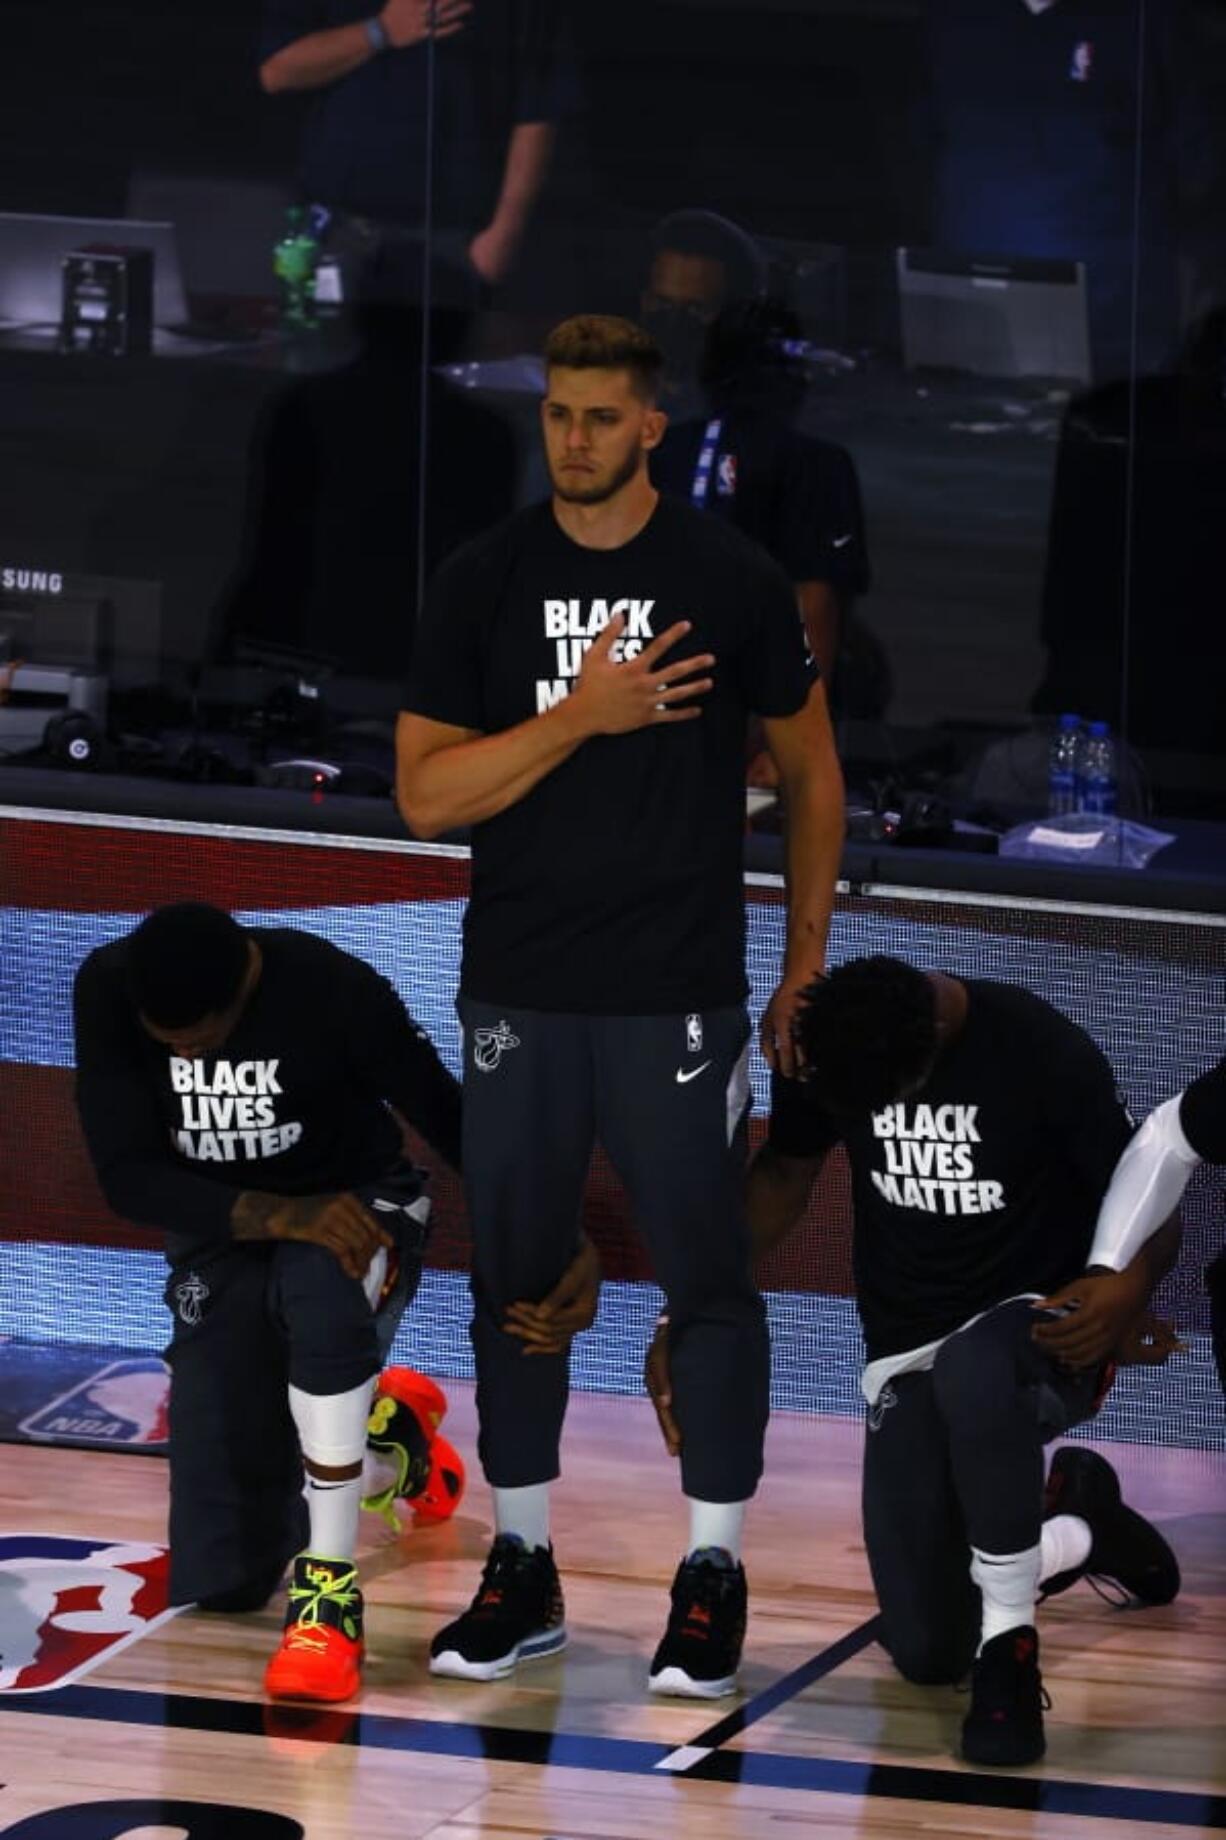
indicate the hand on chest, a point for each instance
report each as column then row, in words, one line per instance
column 541, row 661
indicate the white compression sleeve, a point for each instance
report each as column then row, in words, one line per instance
column 1149, row 1179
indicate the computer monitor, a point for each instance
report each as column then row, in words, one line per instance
column 32, row 250
column 994, row 316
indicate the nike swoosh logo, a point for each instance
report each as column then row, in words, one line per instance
column 683, row 1079
column 841, row 542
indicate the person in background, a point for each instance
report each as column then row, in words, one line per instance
column 500, row 79
column 732, row 446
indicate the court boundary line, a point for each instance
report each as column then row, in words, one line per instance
column 688, row 1756
column 627, row 1756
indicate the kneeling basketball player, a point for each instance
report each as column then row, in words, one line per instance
column 982, row 1128
column 235, row 1086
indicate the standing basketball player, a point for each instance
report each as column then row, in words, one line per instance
column 234, row 1086
column 982, row 1128
column 1152, row 1175
column 579, row 696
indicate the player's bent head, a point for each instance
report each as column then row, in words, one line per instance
column 603, row 342
column 868, row 1034
column 188, row 971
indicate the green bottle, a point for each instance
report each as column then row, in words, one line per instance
column 294, row 261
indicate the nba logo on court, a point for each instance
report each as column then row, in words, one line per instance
column 124, row 1403
column 66, row 1604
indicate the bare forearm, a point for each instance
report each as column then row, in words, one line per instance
column 776, row 1195
column 814, row 818
column 474, row 780
column 317, row 59
column 529, row 152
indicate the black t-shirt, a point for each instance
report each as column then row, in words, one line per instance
column 294, row 1103
column 614, row 886
column 365, row 144
column 795, row 495
column 1202, row 1114
column 984, row 1185
column 1038, row 122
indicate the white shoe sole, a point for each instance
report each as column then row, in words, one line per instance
column 678, row 1684
column 452, row 1665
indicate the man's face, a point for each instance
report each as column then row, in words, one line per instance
column 598, row 432
column 681, row 302
column 697, row 284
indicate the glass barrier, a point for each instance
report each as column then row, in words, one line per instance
column 938, row 288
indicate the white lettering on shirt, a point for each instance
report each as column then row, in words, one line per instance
column 930, row 1162
column 227, row 1112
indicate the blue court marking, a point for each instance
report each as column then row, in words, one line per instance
column 965, row 1788
column 772, row 1697
column 624, row 1756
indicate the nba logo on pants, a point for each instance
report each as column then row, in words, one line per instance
column 125, row 1402
column 66, row 1604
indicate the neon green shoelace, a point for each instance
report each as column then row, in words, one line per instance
column 325, row 1587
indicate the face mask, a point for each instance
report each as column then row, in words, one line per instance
column 681, row 336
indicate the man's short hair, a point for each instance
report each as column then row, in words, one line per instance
column 603, row 342
column 185, row 962
column 868, row 1034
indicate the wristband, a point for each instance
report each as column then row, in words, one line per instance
column 376, row 34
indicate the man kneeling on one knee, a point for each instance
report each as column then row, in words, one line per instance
column 982, row 1128
column 236, row 1087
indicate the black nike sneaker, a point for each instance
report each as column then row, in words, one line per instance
column 1125, row 1547
column 701, row 1649
column 517, row 1615
column 1005, row 1723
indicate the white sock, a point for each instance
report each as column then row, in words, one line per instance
column 1065, row 1544
column 717, row 1523
column 524, row 1512
column 332, row 1433
column 1010, row 1586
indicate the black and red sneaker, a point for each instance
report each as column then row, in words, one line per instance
column 517, row 1615
column 1005, row 1723
column 701, row 1650
column 1125, row 1548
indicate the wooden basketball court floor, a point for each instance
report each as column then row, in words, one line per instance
column 825, row 1739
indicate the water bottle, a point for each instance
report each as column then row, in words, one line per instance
column 1062, row 767
column 294, row 261
column 1096, row 772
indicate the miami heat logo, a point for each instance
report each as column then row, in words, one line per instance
column 190, row 1297
column 886, row 1398
column 489, row 1046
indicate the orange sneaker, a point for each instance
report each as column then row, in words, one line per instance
column 444, row 1487
column 321, row 1650
column 426, row 1472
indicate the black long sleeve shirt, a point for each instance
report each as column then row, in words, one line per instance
column 295, row 1102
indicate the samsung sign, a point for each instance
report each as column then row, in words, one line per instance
column 32, row 581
